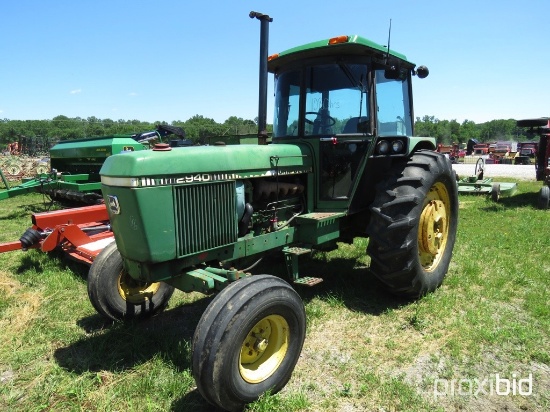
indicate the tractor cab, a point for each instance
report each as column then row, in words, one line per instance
column 349, row 99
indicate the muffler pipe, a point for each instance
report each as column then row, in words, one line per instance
column 262, row 103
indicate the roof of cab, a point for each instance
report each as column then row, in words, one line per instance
column 348, row 45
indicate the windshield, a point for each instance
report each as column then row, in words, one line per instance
column 336, row 100
column 394, row 109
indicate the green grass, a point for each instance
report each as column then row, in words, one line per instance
column 364, row 350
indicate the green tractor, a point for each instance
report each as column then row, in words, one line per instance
column 343, row 163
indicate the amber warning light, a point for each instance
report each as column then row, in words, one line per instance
column 338, row 40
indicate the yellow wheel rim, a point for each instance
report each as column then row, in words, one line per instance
column 134, row 291
column 433, row 229
column 264, row 348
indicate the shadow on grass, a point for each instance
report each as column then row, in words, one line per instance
column 193, row 402
column 39, row 262
column 121, row 346
column 349, row 281
column 520, row 200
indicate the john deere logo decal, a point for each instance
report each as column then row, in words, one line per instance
column 113, row 205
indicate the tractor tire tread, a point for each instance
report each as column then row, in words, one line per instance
column 393, row 226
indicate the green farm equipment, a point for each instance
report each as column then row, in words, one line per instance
column 477, row 184
column 73, row 174
column 343, row 163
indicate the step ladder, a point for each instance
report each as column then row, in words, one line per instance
column 292, row 253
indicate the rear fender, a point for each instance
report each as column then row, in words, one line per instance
column 421, row 143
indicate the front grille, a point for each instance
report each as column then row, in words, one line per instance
column 205, row 216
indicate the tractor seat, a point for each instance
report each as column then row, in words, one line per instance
column 356, row 125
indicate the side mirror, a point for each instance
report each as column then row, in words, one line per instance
column 422, row 72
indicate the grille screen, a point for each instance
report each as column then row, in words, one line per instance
column 205, row 216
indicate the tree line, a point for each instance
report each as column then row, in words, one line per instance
column 451, row 131
column 199, row 127
column 65, row 128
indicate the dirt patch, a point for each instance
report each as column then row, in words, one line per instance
column 488, row 384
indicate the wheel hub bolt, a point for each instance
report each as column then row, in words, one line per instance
column 261, row 345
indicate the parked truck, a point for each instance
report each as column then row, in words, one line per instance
column 526, row 153
column 343, row 163
column 481, row 149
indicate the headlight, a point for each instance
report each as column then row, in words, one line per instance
column 397, row 146
column 383, row 147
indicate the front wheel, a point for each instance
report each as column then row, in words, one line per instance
column 116, row 295
column 248, row 341
column 413, row 224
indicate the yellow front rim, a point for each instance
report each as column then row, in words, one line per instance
column 134, row 291
column 264, row 348
column 433, row 229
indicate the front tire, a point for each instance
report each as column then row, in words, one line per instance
column 413, row 225
column 248, row 341
column 116, row 295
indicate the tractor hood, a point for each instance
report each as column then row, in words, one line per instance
column 204, row 163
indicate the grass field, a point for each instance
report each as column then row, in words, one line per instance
column 479, row 343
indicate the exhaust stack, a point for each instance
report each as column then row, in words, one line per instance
column 262, row 104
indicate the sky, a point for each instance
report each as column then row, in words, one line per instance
column 169, row 60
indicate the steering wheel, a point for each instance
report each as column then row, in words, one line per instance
column 332, row 120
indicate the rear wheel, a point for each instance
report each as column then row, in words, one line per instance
column 116, row 295
column 248, row 341
column 544, row 197
column 413, row 225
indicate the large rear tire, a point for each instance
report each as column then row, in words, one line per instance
column 544, row 197
column 248, row 341
column 413, row 225
column 116, row 295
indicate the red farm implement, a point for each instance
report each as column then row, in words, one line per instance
column 80, row 232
